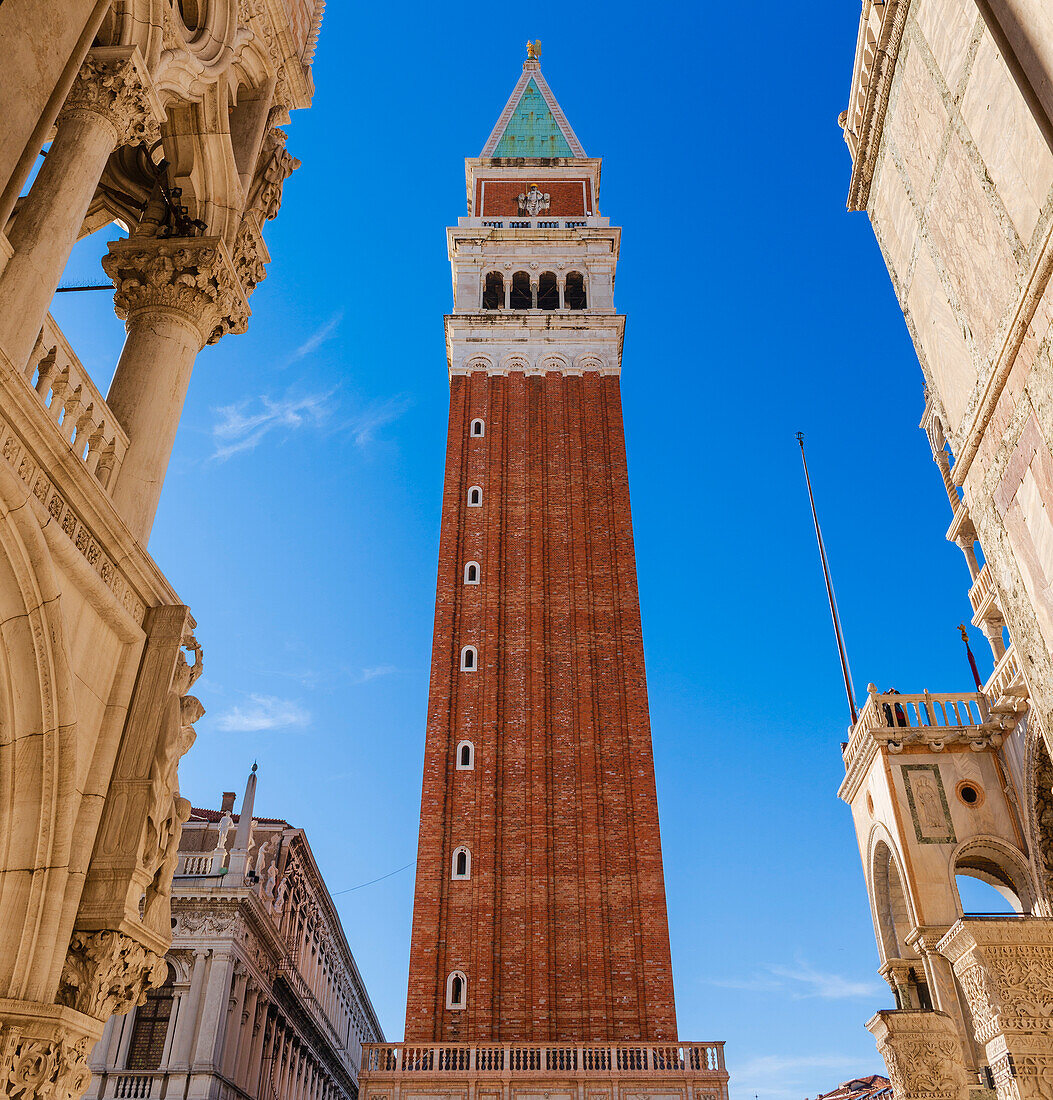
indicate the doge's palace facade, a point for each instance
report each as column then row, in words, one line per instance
column 950, row 128
column 163, row 116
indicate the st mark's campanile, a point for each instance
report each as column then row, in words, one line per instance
column 539, row 913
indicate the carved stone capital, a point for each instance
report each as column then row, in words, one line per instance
column 107, row 972
column 44, row 1051
column 192, row 277
column 1005, row 968
column 113, row 83
column 923, row 1054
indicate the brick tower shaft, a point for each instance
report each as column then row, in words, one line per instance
column 539, row 913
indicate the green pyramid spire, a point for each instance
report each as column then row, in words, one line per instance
column 533, row 131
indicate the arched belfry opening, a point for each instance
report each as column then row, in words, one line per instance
column 521, row 297
column 494, row 290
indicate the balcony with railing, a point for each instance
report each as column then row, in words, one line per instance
column 397, row 1061
column 73, row 405
column 893, row 720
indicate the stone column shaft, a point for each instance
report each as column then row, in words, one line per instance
column 214, row 1015
column 188, row 1011
column 177, row 294
column 108, row 106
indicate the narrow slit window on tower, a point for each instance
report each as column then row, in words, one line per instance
column 477, row 429
column 574, row 296
column 465, row 756
column 475, row 497
column 456, row 990
column 471, row 573
column 521, row 297
column 547, row 291
column 494, row 291
column 462, row 863
column 469, row 658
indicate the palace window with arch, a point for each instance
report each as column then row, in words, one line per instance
column 475, row 496
column 469, row 658
column 471, row 573
column 465, row 756
column 477, row 429
column 462, row 863
column 150, row 1027
column 456, row 990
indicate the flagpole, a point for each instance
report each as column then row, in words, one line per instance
column 845, row 671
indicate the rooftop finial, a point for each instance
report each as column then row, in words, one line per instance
column 534, row 50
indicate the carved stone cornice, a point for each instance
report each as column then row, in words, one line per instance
column 868, row 140
column 113, row 83
column 107, row 973
column 192, row 277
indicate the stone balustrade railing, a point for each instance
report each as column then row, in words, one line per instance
column 134, row 1086
column 982, row 588
column 1005, row 672
column 197, row 865
column 75, row 406
column 890, row 716
column 515, row 1059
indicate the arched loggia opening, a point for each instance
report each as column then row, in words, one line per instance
column 494, row 291
column 521, row 297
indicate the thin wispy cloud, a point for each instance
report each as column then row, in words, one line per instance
column 243, row 426
column 810, row 982
column 787, row 1077
column 264, row 712
column 799, row 982
column 364, row 426
column 317, row 338
column 375, row 673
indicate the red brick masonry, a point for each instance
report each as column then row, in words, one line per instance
column 561, row 930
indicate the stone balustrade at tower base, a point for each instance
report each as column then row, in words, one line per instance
column 554, row 1071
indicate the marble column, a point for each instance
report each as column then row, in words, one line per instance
column 188, row 1012
column 111, row 104
column 176, row 294
column 247, row 1041
column 236, row 1027
column 214, row 1014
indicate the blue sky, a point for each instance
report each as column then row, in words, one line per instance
column 300, row 517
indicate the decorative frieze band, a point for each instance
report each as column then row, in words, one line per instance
column 19, row 458
column 547, row 363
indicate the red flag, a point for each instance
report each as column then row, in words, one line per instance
column 972, row 659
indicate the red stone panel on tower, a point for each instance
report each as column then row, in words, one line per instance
column 560, row 930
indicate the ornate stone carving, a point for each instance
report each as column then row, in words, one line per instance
column 45, row 1069
column 1006, row 972
column 922, row 1052
column 168, row 810
column 107, row 972
column 112, row 83
column 250, row 255
column 274, row 166
column 196, row 922
column 189, row 276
